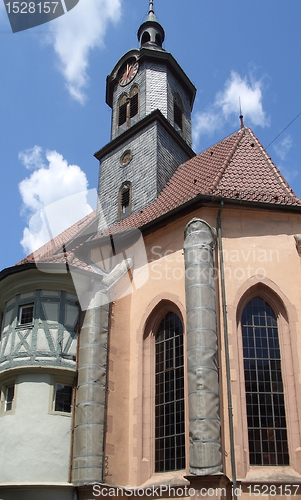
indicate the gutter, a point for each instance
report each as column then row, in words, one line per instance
column 201, row 198
column 226, row 338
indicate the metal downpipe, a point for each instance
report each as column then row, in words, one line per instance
column 205, row 457
column 90, row 410
column 89, row 430
column 229, row 393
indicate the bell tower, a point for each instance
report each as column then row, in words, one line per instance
column 151, row 100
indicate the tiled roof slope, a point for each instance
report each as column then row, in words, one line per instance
column 238, row 167
column 47, row 251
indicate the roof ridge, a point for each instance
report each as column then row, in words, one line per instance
column 218, row 177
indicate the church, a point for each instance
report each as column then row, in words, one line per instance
column 152, row 349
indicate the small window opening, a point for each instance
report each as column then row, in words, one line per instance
column 63, row 398
column 158, row 40
column 25, row 314
column 145, row 38
column 178, row 116
column 125, row 200
column 10, row 393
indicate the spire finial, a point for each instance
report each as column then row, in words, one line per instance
column 241, row 116
column 151, row 34
column 151, row 6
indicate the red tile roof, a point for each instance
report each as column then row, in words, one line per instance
column 49, row 251
column 237, row 168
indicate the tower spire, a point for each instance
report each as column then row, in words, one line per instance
column 151, row 33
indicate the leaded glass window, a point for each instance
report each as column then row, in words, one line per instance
column 169, row 405
column 264, row 386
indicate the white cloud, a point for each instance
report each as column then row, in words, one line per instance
column 226, row 106
column 45, row 193
column 32, row 158
column 76, row 34
column 283, row 147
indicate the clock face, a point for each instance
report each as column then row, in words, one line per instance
column 129, row 73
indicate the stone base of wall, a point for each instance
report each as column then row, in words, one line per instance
column 217, row 487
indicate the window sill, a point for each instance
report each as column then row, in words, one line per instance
column 61, row 413
column 271, row 474
column 173, row 478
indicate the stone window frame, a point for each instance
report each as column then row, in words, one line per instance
column 151, row 326
column 286, row 320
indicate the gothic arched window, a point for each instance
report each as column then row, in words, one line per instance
column 264, row 387
column 124, row 205
column 169, row 402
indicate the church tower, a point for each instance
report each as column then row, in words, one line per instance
column 151, row 99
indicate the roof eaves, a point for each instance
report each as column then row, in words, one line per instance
column 210, row 198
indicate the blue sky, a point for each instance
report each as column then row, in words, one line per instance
column 53, row 115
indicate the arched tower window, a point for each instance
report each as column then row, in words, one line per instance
column 128, row 108
column 169, row 402
column 264, row 387
column 122, row 111
column 158, row 40
column 145, row 38
column 124, row 205
column 178, row 114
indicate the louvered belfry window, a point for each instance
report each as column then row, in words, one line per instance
column 125, row 200
column 169, row 402
column 264, row 387
column 122, row 114
column 134, row 105
column 178, row 114
column 128, row 109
